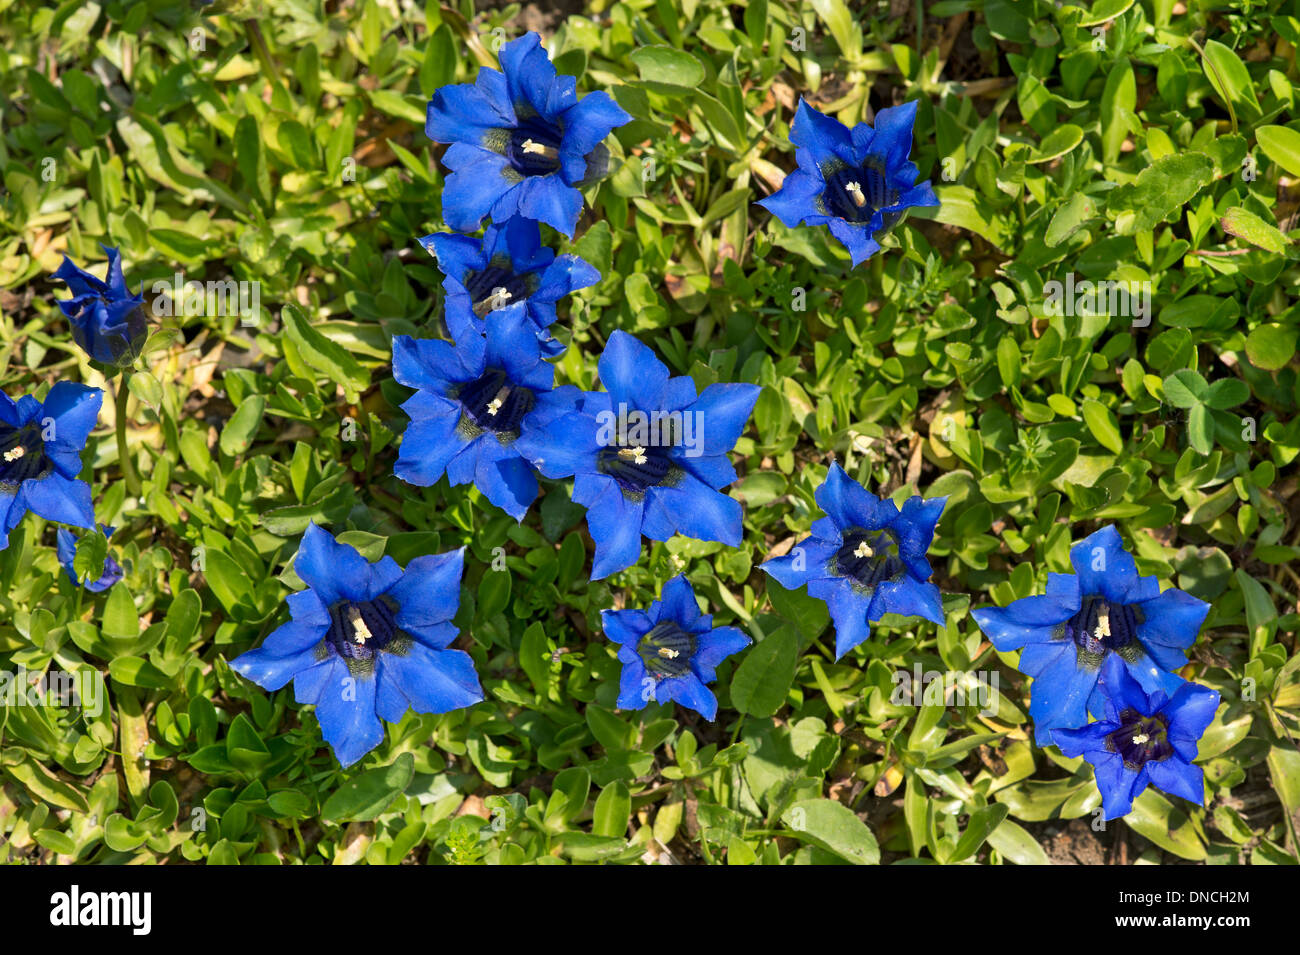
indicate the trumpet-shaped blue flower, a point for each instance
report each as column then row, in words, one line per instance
column 521, row 141
column 474, row 401
column 366, row 642
column 507, row 269
column 865, row 558
column 648, row 455
column 670, row 651
column 40, row 456
column 857, row 182
column 1103, row 609
column 108, row 321
column 1142, row 739
column 67, row 550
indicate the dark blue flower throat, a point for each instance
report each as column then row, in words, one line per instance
column 493, row 403
column 498, row 286
column 1101, row 626
column 534, row 147
column 22, row 456
column 666, row 650
column 1140, row 739
column 359, row 629
column 637, row 468
column 867, row 558
column 856, row 193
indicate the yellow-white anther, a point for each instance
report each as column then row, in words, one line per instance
column 499, row 298
column 669, row 654
column 14, row 453
column 1141, row 738
column 540, row 149
column 863, row 550
column 1103, row 623
column 635, row 455
column 495, row 404
column 855, row 191
column 359, row 627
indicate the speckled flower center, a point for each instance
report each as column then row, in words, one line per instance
column 22, row 456
column 496, row 287
column 534, row 147
column 1140, row 739
column 1101, row 626
column 361, row 628
column 855, row 193
column 868, row 558
column 666, row 650
column 494, row 403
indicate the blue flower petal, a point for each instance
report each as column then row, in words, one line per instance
column 806, row 561
column 347, row 716
column 615, row 525
column 57, row 498
column 714, row 647
column 1104, row 567
column 691, row 693
column 796, row 199
column 1178, row 779
column 848, row 610
column 434, row 681
column 630, row 371
column 429, row 591
column 335, row 571
column 1025, row 621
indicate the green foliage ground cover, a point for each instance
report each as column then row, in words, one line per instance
column 282, row 144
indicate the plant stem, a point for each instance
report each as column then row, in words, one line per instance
column 123, row 454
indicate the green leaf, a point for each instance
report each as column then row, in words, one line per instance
column 1246, row 225
column 763, row 679
column 667, row 66
column 1230, row 78
column 367, row 795
column 829, row 825
column 1282, row 145
column 1271, row 347
column 1101, row 422
column 613, row 810
column 325, row 356
column 1162, row 189
column 237, row 436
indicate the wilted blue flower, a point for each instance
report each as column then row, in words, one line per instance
column 40, row 456
column 865, row 558
column 648, row 455
column 474, row 401
column 859, row 183
column 1142, row 739
column 108, row 322
column 670, row 651
column 507, row 269
column 67, row 550
column 1103, row 609
column 522, row 141
column 367, row 641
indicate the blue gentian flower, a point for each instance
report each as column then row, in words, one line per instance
column 507, row 269
column 1142, row 739
column 40, row 456
column 648, row 455
column 67, row 550
column 859, row 183
column 521, row 141
column 475, row 400
column 865, row 558
column 108, row 321
column 670, row 651
column 1103, row 609
column 366, row 642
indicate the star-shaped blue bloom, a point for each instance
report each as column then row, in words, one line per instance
column 108, row 321
column 474, row 400
column 67, row 550
column 865, row 558
column 670, row 651
column 1103, row 609
column 521, row 141
column 859, row 183
column 366, row 642
column 508, row 268
column 648, row 455
column 40, row 456
column 1142, row 739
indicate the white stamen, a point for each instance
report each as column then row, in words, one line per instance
column 495, row 404
column 359, row 626
column 13, row 454
column 636, row 455
column 540, row 149
column 864, row 550
column 855, row 191
column 1103, row 622
column 1141, row 738
column 499, row 298
column 668, row 654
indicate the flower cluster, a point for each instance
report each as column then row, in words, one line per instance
column 1106, row 641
